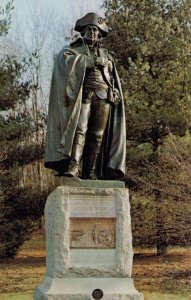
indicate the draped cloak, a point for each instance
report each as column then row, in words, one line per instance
column 64, row 110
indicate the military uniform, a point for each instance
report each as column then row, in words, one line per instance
column 89, row 97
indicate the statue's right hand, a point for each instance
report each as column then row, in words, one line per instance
column 101, row 61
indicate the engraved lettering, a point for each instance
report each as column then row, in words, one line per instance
column 97, row 206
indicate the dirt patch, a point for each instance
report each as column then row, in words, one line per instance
column 152, row 274
column 170, row 273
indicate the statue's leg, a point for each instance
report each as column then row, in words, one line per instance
column 79, row 141
column 97, row 124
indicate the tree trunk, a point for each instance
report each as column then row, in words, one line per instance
column 161, row 234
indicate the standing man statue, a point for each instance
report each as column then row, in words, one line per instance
column 86, row 134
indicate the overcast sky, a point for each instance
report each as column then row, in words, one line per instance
column 62, row 12
column 66, row 8
column 45, row 23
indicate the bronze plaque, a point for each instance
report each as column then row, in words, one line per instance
column 92, row 232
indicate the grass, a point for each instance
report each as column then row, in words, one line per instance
column 169, row 275
column 158, row 278
column 21, row 274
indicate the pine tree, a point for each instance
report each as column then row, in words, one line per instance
column 19, row 205
column 151, row 41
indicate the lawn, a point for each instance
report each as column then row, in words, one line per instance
column 167, row 277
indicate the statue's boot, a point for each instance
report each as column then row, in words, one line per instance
column 74, row 165
column 92, row 174
column 93, row 155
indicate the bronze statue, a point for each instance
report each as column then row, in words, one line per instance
column 86, row 134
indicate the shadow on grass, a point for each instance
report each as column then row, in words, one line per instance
column 16, row 297
column 26, row 261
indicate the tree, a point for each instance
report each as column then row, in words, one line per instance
column 151, row 40
column 171, row 177
column 5, row 18
column 19, row 205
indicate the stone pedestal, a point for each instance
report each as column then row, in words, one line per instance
column 88, row 242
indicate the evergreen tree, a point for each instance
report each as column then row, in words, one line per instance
column 151, row 40
column 5, row 18
column 170, row 176
column 19, row 205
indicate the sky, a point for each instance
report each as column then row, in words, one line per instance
column 65, row 8
column 62, row 13
column 44, row 24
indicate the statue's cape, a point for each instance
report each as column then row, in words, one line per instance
column 64, row 109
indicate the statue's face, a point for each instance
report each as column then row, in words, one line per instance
column 91, row 33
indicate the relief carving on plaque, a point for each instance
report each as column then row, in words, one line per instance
column 92, row 232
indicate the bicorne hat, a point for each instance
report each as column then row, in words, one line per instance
column 92, row 19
